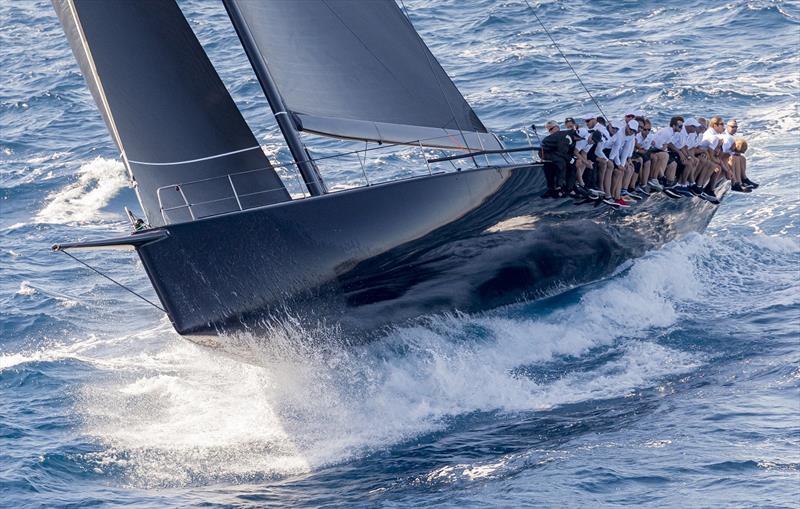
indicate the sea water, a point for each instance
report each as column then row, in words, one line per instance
column 674, row 383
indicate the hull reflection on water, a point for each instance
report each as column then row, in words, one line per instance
column 375, row 256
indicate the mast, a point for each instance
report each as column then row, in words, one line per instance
column 307, row 168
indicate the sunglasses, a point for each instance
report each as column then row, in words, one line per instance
column 550, row 129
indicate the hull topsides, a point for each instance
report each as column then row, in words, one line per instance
column 369, row 257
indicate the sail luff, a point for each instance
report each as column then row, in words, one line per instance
column 96, row 88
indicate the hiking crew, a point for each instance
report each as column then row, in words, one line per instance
column 623, row 162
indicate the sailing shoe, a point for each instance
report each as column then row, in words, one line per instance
column 610, row 201
column 672, row 194
column 750, row 183
column 655, row 184
column 709, row 196
column 741, row 189
column 683, row 191
column 695, row 189
column 622, row 203
column 640, row 191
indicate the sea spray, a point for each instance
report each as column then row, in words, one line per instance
column 186, row 414
column 82, row 201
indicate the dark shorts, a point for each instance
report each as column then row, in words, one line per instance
column 637, row 165
column 673, row 156
column 607, row 151
column 645, row 156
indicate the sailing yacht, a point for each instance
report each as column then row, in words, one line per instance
column 228, row 247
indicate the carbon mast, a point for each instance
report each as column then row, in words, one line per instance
column 307, row 168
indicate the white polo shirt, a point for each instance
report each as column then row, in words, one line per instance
column 645, row 141
column 679, row 138
column 627, row 149
column 616, row 143
column 727, row 142
column 692, row 140
column 602, row 144
column 662, row 137
column 710, row 139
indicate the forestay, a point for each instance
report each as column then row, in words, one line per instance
column 356, row 69
column 166, row 108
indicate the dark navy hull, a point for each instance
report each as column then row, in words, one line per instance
column 369, row 257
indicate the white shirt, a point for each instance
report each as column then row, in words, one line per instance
column 645, row 141
column 710, row 139
column 663, row 136
column 627, row 149
column 727, row 142
column 604, row 143
column 679, row 138
column 616, row 143
column 692, row 140
column 583, row 146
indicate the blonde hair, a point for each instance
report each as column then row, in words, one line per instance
column 716, row 120
column 740, row 145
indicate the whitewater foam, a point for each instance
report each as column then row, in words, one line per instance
column 25, row 289
column 179, row 413
column 82, row 201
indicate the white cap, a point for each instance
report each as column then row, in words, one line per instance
column 633, row 125
column 550, row 123
column 588, row 116
column 631, row 113
column 692, row 122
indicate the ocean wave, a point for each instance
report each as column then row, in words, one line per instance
column 182, row 414
column 98, row 182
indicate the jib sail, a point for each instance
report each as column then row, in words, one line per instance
column 167, row 110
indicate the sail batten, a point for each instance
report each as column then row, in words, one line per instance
column 164, row 104
column 357, row 69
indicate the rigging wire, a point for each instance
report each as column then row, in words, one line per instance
column 112, row 280
column 566, row 59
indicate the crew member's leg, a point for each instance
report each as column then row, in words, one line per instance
column 669, row 174
column 609, row 179
column 580, row 168
column 569, row 184
column 550, row 172
column 561, row 175
column 743, row 165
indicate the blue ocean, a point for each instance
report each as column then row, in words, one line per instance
column 673, row 383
